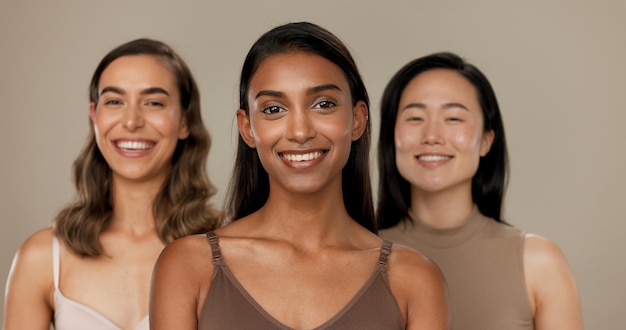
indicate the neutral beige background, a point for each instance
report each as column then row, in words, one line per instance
column 558, row 68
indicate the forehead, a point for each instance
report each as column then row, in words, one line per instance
column 440, row 83
column 296, row 70
column 133, row 70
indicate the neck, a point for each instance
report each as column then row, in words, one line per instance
column 132, row 206
column 310, row 221
column 442, row 210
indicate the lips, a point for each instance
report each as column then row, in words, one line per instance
column 433, row 158
column 302, row 157
column 134, row 145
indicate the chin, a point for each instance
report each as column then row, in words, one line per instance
column 430, row 187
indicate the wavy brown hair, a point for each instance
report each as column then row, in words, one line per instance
column 182, row 205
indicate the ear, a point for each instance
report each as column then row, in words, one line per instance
column 361, row 116
column 183, row 129
column 92, row 111
column 245, row 130
column 486, row 142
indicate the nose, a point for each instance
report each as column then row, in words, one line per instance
column 132, row 118
column 431, row 134
column 300, row 127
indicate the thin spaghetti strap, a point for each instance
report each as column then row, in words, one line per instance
column 385, row 250
column 56, row 261
column 215, row 246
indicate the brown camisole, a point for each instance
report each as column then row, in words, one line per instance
column 229, row 306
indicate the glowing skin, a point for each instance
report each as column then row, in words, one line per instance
column 439, row 136
column 138, row 118
column 301, row 121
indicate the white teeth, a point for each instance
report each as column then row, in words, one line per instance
column 433, row 158
column 134, row 145
column 302, row 157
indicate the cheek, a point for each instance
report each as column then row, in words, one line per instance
column 336, row 127
column 103, row 122
column 467, row 138
column 168, row 123
column 405, row 138
column 339, row 129
column 264, row 135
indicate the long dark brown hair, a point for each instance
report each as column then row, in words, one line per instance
column 249, row 187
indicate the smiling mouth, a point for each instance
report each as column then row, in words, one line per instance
column 302, row 157
column 433, row 158
column 134, row 145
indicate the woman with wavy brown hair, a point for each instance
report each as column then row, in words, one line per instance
column 141, row 182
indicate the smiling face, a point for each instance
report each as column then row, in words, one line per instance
column 301, row 121
column 439, row 136
column 138, row 118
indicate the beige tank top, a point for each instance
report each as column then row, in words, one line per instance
column 72, row 315
column 482, row 262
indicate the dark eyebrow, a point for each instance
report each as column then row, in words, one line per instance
column 321, row 88
column 111, row 89
column 445, row 106
column 415, row 105
column 269, row 93
column 154, row 90
column 310, row 91
column 147, row 91
column 454, row 105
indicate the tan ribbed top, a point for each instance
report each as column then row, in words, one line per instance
column 482, row 262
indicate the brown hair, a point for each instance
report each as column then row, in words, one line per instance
column 182, row 205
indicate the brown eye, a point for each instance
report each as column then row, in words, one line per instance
column 154, row 104
column 112, row 102
column 272, row 109
column 324, row 105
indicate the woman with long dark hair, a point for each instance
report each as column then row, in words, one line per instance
column 301, row 251
column 443, row 169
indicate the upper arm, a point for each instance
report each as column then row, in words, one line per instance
column 30, row 285
column 420, row 290
column 177, row 284
column 551, row 284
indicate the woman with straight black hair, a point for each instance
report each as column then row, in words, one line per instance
column 249, row 187
column 443, row 169
column 301, row 251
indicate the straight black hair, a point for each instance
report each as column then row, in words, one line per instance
column 249, row 187
column 490, row 181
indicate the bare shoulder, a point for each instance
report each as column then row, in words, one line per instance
column 543, row 257
column 419, row 288
column 405, row 261
column 30, row 284
column 35, row 253
column 536, row 244
column 185, row 264
column 186, row 253
column 411, row 271
column 551, row 285
column 39, row 239
column 180, row 281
